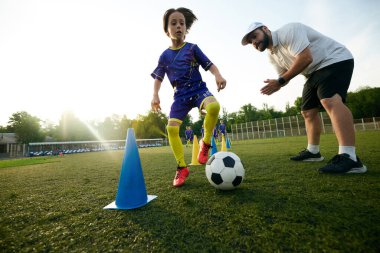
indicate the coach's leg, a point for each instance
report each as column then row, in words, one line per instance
column 343, row 123
column 313, row 132
column 313, row 126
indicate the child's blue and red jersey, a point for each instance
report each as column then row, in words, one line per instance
column 181, row 65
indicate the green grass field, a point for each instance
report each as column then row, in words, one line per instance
column 56, row 204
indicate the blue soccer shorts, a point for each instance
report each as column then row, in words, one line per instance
column 182, row 105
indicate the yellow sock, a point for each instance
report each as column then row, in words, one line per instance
column 176, row 145
column 210, row 120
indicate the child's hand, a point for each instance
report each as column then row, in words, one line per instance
column 220, row 82
column 155, row 104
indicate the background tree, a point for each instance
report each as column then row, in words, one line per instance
column 295, row 109
column 50, row 130
column 187, row 121
column 26, row 127
column 248, row 113
column 3, row 129
column 269, row 112
column 365, row 102
column 124, row 124
column 71, row 128
column 232, row 119
column 150, row 126
column 225, row 119
column 197, row 126
column 110, row 128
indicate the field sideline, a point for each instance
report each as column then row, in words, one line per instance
column 54, row 204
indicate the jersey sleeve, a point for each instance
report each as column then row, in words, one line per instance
column 201, row 58
column 297, row 39
column 159, row 71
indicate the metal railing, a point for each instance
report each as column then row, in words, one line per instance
column 14, row 150
column 291, row 126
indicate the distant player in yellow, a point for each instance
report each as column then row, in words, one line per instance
column 180, row 62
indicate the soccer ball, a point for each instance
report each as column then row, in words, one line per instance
column 224, row 170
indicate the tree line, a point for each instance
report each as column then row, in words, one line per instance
column 364, row 104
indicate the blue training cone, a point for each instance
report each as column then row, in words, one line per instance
column 131, row 192
column 228, row 143
column 214, row 149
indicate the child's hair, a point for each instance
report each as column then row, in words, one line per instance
column 189, row 17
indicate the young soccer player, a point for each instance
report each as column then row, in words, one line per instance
column 180, row 62
column 222, row 128
column 215, row 134
column 189, row 135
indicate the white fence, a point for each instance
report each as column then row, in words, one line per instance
column 291, row 126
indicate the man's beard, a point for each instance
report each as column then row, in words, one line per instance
column 264, row 42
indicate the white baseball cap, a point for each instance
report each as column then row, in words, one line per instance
column 250, row 29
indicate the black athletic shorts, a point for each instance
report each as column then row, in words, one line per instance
column 326, row 82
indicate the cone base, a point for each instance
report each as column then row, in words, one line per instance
column 113, row 205
column 195, row 164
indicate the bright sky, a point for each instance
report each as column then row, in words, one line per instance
column 95, row 57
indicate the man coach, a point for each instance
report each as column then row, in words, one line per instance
column 327, row 65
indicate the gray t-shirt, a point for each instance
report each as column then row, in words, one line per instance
column 293, row 38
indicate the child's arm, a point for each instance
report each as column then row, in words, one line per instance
column 220, row 81
column 155, row 104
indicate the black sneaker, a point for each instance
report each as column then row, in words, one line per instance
column 342, row 163
column 306, row 156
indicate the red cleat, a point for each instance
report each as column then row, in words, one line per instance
column 180, row 176
column 203, row 152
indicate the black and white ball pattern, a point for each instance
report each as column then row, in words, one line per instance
column 225, row 171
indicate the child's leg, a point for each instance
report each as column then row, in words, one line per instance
column 212, row 108
column 175, row 143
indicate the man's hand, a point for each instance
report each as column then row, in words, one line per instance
column 271, row 87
